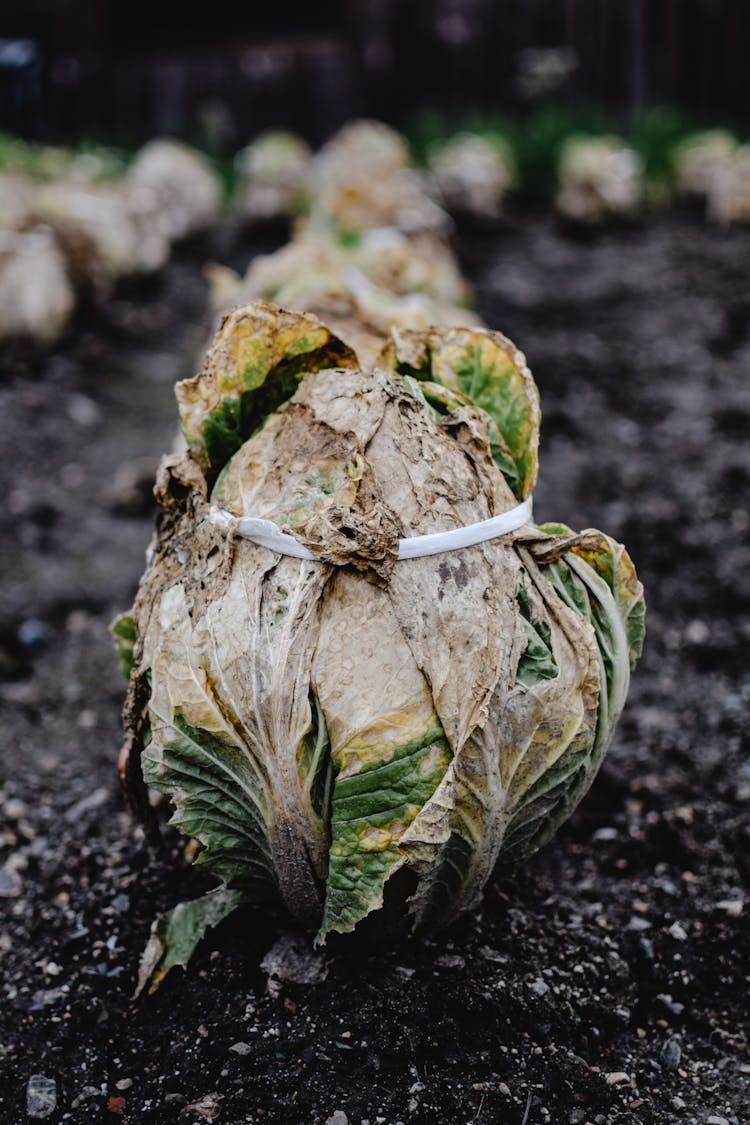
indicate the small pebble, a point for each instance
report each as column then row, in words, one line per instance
column 677, row 931
column 82, row 410
column 713, row 1120
column 671, row 1053
column 647, row 948
column 617, row 1078
column 697, row 632
column 241, row 1048
column 678, row 1103
column 41, row 1096
column 539, row 987
column 604, row 834
column 450, row 961
column 338, row 1117
column 13, row 809
column 86, row 1094
column 33, row 633
column 733, row 907
column 91, row 803
column 124, row 1084
column 10, row 884
column 87, row 719
column 673, row 1006
column 175, row 1099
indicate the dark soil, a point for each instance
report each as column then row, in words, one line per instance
column 608, row 981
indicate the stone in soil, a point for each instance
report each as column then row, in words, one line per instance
column 41, row 1096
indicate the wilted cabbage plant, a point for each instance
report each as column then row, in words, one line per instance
column 600, row 178
column 271, row 176
column 351, row 730
column 472, row 173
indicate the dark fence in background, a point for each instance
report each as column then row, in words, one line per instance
column 124, row 71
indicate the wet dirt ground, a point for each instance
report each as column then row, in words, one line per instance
column 608, row 980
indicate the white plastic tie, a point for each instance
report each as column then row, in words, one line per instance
column 266, row 534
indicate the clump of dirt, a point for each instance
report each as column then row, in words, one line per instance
column 607, row 981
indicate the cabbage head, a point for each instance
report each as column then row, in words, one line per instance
column 358, row 736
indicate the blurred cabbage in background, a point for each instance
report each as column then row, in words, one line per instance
column 599, row 177
column 473, row 174
column 272, row 175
